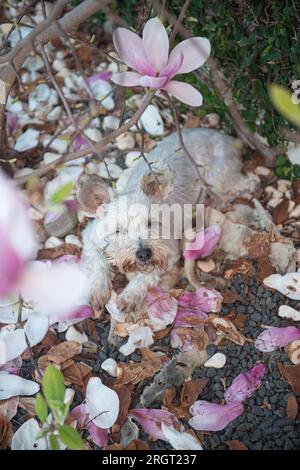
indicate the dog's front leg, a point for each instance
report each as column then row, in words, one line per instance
column 95, row 264
column 132, row 297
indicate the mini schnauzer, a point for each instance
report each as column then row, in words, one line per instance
column 131, row 239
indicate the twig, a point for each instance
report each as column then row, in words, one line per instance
column 95, row 148
column 56, row 85
column 179, row 21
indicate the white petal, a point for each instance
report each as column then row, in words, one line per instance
column 25, row 438
column 13, row 344
column 36, row 328
column 288, row 285
column 217, row 361
column 102, row 403
column 288, row 312
column 74, row 335
column 180, row 440
column 13, row 385
column 110, row 366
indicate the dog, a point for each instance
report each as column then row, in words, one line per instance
column 131, row 239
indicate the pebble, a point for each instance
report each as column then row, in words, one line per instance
column 125, row 141
column 152, row 122
column 263, row 171
column 217, row 361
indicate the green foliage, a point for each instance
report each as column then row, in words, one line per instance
column 53, row 395
column 70, row 437
column 285, row 169
column 62, row 193
column 282, row 100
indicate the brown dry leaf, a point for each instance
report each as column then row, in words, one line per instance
column 173, row 406
column 75, row 373
column 227, row 329
column 238, row 319
column 61, row 250
column 28, row 404
column 291, row 407
column 265, row 268
column 50, row 340
column 236, row 445
column 296, row 189
column 229, row 297
column 135, row 372
column 241, row 266
column 6, row 432
column 259, row 246
column 292, row 375
column 280, row 212
column 64, row 351
column 161, row 334
column 92, row 331
column 137, row 444
column 191, row 390
column 124, row 394
column 197, row 336
column 9, row 407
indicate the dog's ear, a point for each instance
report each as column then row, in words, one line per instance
column 158, row 185
column 91, row 193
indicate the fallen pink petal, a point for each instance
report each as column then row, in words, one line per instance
column 245, row 384
column 273, row 338
column 162, row 307
column 151, row 421
column 208, row 416
column 204, row 243
column 203, row 300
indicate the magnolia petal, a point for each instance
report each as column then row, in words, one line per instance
column 102, row 403
column 125, row 42
column 25, row 438
column 190, row 319
column 152, row 82
column 288, row 285
column 156, row 43
column 205, row 300
column 172, row 67
column 11, row 265
column 213, row 417
column 204, row 243
column 57, row 288
column 151, row 420
column 162, row 307
column 13, row 385
column 99, row 436
column 180, row 440
column 140, row 337
column 79, row 413
column 195, row 53
column 126, row 78
column 13, row 344
column 184, row 92
column 285, row 311
column 79, row 313
column 36, row 328
column 274, row 337
column 245, row 384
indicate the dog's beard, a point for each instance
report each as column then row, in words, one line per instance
column 164, row 254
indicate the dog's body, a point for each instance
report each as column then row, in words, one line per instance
column 122, row 239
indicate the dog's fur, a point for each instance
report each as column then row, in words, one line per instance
column 221, row 164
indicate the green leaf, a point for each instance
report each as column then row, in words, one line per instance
column 71, row 437
column 282, row 100
column 41, row 408
column 281, row 160
column 62, row 193
column 53, row 384
column 54, row 442
column 296, row 170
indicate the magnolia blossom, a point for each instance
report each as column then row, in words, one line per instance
column 151, row 420
column 274, row 337
column 213, row 417
column 245, row 384
column 154, row 64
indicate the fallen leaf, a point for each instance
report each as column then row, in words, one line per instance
column 241, row 266
column 191, row 390
column 291, row 407
column 236, row 445
column 229, row 297
column 227, row 329
column 292, row 375
column 137, row 444
column 238, row 319
column 264, row 268
column 259, row 246
column 76, row 373
column 280, row 212
column 28, row 404
column 6, row 432
column 61, row 250
column 135, row 372
column 124, row 395
column 9, row 407
column 189, row 338
column 92, row 331
column 64, row 351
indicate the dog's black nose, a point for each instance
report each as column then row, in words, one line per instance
column 143, row 254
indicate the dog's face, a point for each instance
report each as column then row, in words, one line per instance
column 137, row 235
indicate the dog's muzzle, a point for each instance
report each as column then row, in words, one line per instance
column 143, row 254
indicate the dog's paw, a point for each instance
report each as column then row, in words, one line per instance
column 99, row 298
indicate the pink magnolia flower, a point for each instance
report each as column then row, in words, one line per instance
column 155, row 66
column 204, row 243
column 273, row 338
column 245, row 384
column 99, row 436
column 151, row 420
column 213, row 417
